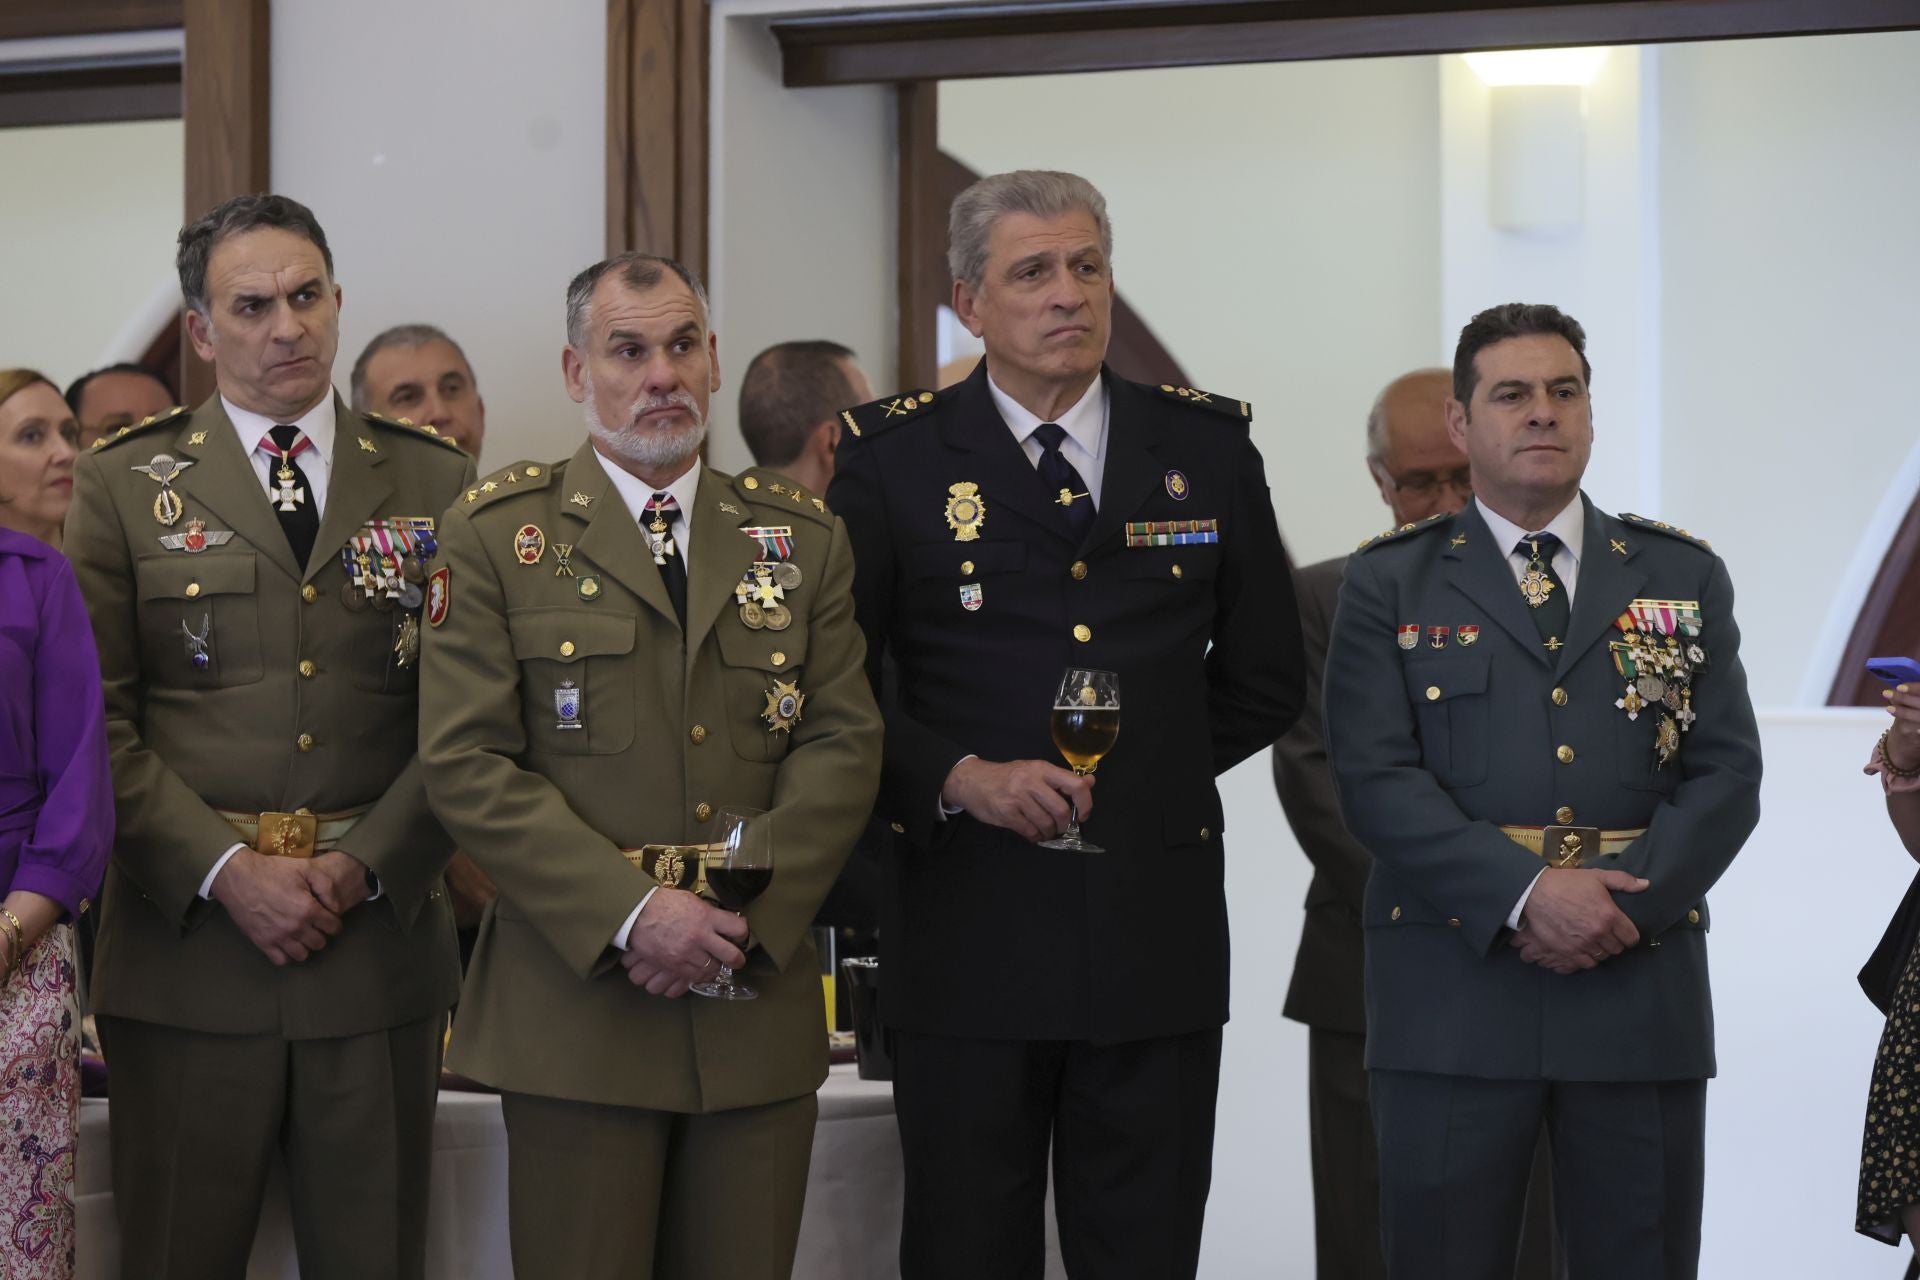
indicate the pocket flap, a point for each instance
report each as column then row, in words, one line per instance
column 568, row 635
column 1446, row 675
column 742, row 646
column 1196, row 563
column 950, row 559
column 188, row 577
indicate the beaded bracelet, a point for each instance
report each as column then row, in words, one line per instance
column 1885, row 760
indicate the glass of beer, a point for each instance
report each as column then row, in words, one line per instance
column 1086, row 720
column 737, row 873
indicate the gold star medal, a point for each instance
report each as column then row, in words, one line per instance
column 784, row 702
column 966, row 511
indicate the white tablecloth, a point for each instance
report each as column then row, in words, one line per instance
column 850, row 1231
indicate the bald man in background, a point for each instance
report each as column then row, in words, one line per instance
column 1419, row 473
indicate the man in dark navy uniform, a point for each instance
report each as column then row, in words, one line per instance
column 1540, row 729
column 1045, row 514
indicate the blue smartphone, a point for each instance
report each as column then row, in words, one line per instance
column 1895, row 670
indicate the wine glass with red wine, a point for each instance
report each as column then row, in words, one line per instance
column 737, row 873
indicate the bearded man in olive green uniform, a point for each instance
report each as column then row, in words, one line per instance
column 620, row 645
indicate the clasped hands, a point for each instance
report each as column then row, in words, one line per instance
column 1571, row 921
column 289, row 907
column 678, row 939
column 1032, row 798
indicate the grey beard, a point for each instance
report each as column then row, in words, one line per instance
column 647, row 447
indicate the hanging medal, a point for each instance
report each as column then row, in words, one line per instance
column 1535, row 585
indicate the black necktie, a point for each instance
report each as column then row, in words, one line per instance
column 1542, row 589
column 291, row 495
column 662, row 511
column 1063, row 483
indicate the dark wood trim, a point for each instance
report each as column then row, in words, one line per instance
column 37, row 19
column 91, row 94
column 1889, row 621
column 950, row 42
column 226, row 125
column 923, row 280
column 657, row 75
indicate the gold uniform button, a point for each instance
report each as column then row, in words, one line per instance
column 304, row 742
column 966, row 566
column 566, row 648
column 86, row 904
column 779, row 658
column 1564, row 754
column 309, row 593
column 1176, row 571
column 1206, row 834
column 750, row 483
column 533, row 473
column 899, row 828
column 1079, row 570
column 698, row 733
column 1559, row 697
column 1563, row 815
column 1453, row 922
column 1394, row 914
column 1693, row 917
column 1082, row 632
column 307, row 668
column 702, row 811
column 1433, row 693
column 193, row 589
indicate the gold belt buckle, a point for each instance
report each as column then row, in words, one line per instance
column 1569, row 847
column 673, row 866
column 287, row 835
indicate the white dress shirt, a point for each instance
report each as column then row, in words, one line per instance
column 637, row 493
column 1085, row 423
column 1570, row 526
column 317, row 425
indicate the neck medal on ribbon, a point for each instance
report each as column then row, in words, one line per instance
column 1658, row 655
column 165, row 469
column 1535, row 585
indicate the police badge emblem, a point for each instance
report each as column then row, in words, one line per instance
column 966, row 511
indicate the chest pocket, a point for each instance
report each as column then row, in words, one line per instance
column 577, row 679
column 1192, row 566
column 1449, row 692
column 200, row 603
column 747, row 678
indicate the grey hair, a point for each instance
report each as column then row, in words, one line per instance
column 1044, row 193
column 401, row 335
column 199, row 238
column 638, row 271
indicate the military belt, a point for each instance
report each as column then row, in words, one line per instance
column 675, row 866
column 1572, row 847
column 299, row 834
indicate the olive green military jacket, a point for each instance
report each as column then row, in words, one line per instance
column 302, row 703
column 549, row 588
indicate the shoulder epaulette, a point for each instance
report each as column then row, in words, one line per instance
column 1394, row 535
column 1239, row 410
column 408, row 426
column 872, row 419
column 521, row 477
column 1661, row 526
column 771, row 489
column 145, row 424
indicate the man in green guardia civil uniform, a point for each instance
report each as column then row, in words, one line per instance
column 1540, row 729
column 619, row 646
column 276, row 957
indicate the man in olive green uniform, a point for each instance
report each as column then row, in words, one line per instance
column 619, row 646
column 276, row 958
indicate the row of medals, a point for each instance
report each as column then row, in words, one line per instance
column 761, row 590
column 1659, row 672
column 379, row 581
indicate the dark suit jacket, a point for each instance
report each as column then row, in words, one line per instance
column 1326, row 988
column 186, row 740
column 1434, row 748
column 987, row 935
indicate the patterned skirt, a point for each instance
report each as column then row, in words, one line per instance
column 39, row 1110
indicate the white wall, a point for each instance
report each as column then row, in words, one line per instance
column 456, row 155
column 1791, row 182
column 88, row 225
column 802, row 219
column 1277, row 228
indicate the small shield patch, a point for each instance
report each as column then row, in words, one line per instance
column 1410, row 635
column 1467, row 636
column 439, row 595
column 970, row 597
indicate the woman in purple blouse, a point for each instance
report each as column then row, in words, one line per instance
column 56, row 826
